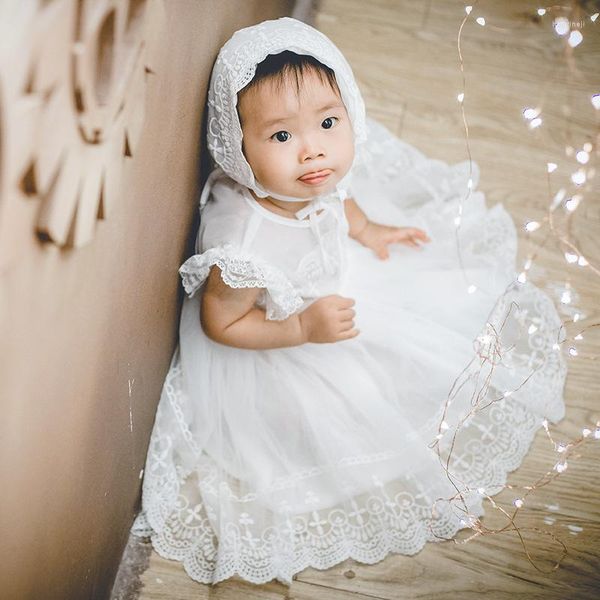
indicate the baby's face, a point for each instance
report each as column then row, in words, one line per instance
column 298, row 144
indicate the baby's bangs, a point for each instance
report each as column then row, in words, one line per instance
column 280, row 69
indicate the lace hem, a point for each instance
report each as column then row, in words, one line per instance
column 239, row 271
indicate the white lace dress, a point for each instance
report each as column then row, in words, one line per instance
column 265, row 462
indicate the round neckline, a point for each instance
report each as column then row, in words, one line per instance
column 274, row 216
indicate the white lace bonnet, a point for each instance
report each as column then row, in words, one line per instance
column 234, row 69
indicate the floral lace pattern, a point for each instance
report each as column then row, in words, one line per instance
column 239, row 271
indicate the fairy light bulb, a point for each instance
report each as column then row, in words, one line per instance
column 551, row 167
column 480, row 21
column 561, row 25
column 586, row 432
column 575, row 38
column 460, row 97
column 457, row 221
column 561, row 448
column 531, row 113
column 571, row 258
column 573, row 351
column 532, row 329
column 534, row 123
column 468, row 9
column 594, row 17
column 444, row 426
column 565, row 297
column 532, row 226
column 582, row 261
column 576, row 317
column 471, row 289
column 578, row 178
column 522, row 278
column 572, row 203
column 595, row 99
column 578, row 337
column 518, row 502
column 541, row 11
column 597, row 433
column 561, row 466
column 582, row 157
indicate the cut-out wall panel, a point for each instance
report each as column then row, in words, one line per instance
column 73, row 81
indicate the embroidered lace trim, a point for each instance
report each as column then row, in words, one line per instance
column 242, row 271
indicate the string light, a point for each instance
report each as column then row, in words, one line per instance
column 489, row 349
column 480, row 21
column 594, row 17
column 541, row 11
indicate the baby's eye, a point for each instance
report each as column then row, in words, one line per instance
column 281, row 136
column 329, row 122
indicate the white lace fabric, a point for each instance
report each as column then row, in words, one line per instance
column 263, row 463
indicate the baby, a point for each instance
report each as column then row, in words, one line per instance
column 299, row 142
column 274, row 450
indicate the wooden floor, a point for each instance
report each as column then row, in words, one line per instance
column 404, row 54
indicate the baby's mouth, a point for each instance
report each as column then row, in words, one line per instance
column 315, row 177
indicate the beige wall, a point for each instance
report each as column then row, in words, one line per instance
column 89, row 307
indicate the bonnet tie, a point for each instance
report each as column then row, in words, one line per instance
column 321, row 203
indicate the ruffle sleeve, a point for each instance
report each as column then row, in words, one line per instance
column 238, row 270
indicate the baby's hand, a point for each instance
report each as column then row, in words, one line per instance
column 328, row 319
column 377, row 237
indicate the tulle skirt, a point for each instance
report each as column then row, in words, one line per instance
column 265, row 462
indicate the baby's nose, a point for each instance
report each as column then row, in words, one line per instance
column 311, row 150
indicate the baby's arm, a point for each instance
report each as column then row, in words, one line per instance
column 228, row 316
column 376, row 236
